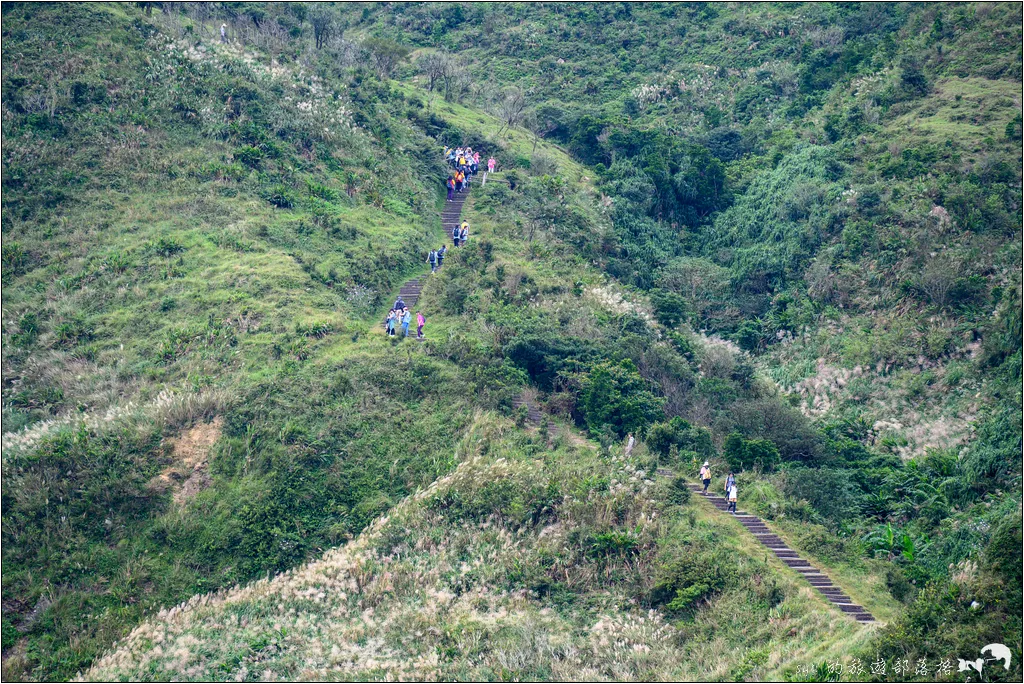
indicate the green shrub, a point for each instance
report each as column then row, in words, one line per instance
column 28, row 329
column 746, row 454
column 690, row 577
column 669, row 308
column 318, row 329
column 828, row 490
column 616, row 396
column 15, row 258
column 281, row 197
column 167, row 247
column 249, row 156
column 678, row 492
column 677, row 432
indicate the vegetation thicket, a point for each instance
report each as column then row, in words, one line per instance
column 782, row 238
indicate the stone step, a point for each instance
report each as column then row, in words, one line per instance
column 863, row 617
column 838, row 598
column 797, row 563
column 850, row 607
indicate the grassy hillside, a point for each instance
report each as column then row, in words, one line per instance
column 801, row 263
column 525, row 562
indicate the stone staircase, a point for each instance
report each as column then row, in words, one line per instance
column 412, row 289
column 791, row 558
column 533, row 414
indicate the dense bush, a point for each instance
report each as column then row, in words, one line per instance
column 615, row 397
column 677, row 432
column 746, row 454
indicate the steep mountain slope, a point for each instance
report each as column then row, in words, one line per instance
column 200, row 239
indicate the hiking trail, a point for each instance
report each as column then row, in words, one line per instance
column 815, row 577
column 533, row 414
column 411, row 289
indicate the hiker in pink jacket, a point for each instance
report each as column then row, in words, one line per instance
column 420, row 322
column 491, row 164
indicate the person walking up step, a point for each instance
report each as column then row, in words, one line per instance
column 455, row 235
column 464, row 233
column 705, row 476
column 432, row 260
column 442, row 250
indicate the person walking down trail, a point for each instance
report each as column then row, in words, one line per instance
column 442, row 250
column 729, row 482
column 432, row 260
column 491, row 164
column 450, row 184
column 223, row 33
column 391, row 323
column 399, row 304
column 455, row 235
column 705, row 476
column 420, row 322
column 732, row 499
column 406, row 320
column 464, row 233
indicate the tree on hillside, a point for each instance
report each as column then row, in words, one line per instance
column 386, row 55
column 436, row 67
column 445, row 74
column 323, row 24
column 511, row 107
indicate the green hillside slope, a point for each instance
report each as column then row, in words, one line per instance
column 524, row 563
column 784, row 239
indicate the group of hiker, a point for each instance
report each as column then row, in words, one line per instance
column 400, row 317
column 730, row 485
column 465, row 162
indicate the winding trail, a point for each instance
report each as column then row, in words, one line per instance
column 815, row 577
